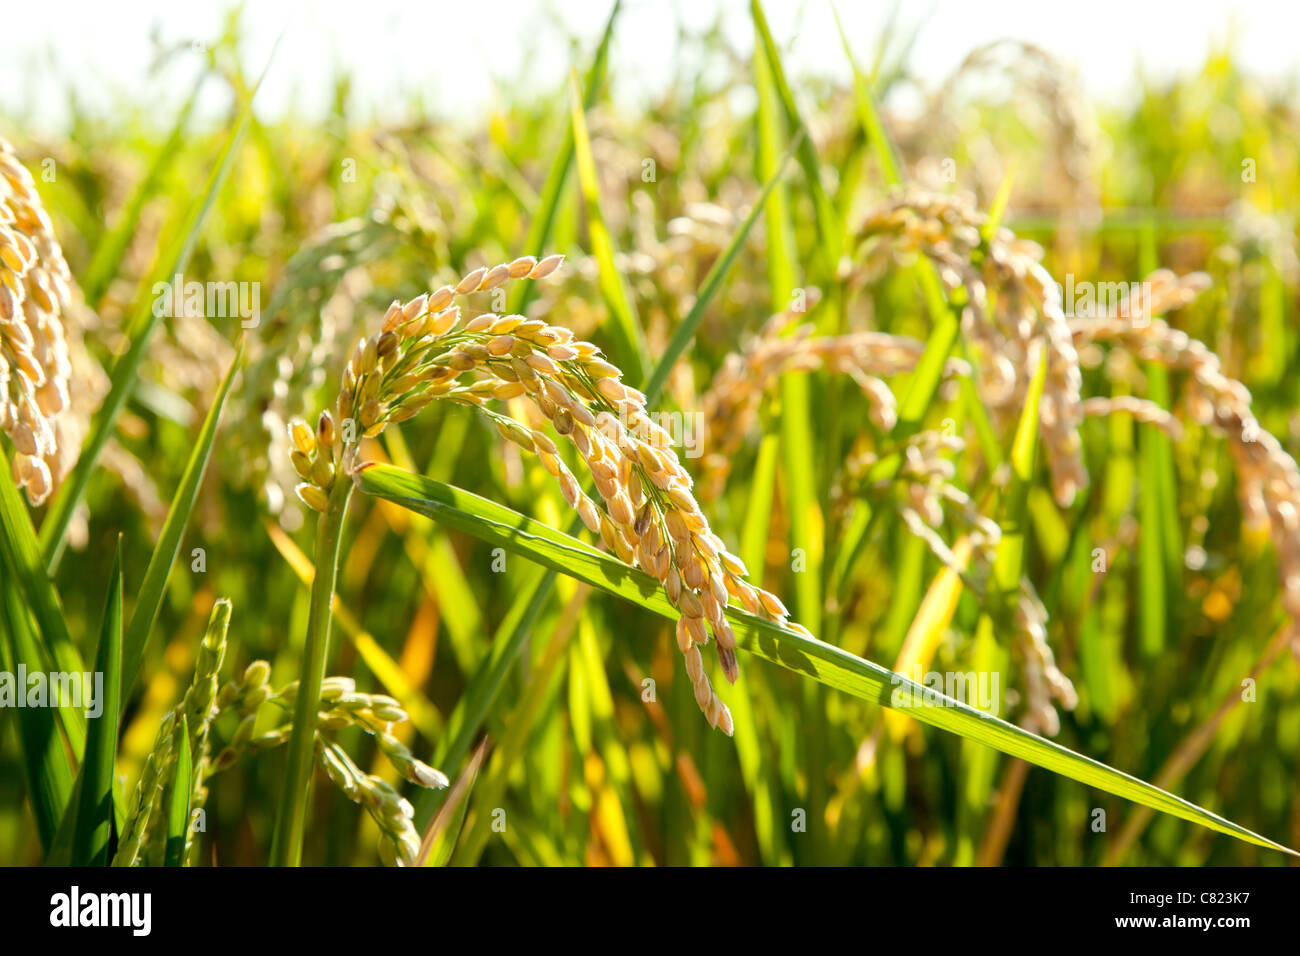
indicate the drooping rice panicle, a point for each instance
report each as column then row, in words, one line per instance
column 731, row 404
column 1013, row 306
column 648, row 514
column 1045, row 683
column 926, row 477
column 1268, row 477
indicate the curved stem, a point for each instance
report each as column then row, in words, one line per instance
column 291, row 816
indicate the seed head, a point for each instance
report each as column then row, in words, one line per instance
column 642, row 507
column 36, row 290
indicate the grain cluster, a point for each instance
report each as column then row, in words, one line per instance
column 647, row 513
column 35, row 289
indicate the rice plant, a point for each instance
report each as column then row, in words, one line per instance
column 963, row 434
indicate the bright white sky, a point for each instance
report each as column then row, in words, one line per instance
column 454, row 51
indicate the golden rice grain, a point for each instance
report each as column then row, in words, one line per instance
column 649, row 514
column 35, row 292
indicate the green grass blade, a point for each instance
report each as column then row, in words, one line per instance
column 782, row 258
column 149, row 598
column 440, row 838
column 539, row 232
column 178, row 807
column 627, row 324
column 107, row 259
column 434, row 554
column 869, row 116
column 998, row 208
column 1151, row 566
column 94, row 823
column 127, row 368
column 47, row 770
column 911, row 413
column 797, row 452
column 38, row 632
column 484, row 686
column 291, row 811
column 762, row 786
column 754, row 530
column 1159, row 544
column 685, row 332
column 1008, row 569
column 822, row 662
column 509, row 752
column 42, row 612
column 796, row 422
column 829, row 233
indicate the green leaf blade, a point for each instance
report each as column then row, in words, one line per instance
column 631, row 340
column 149, row 599
column 822, row 662
column 178, row 808
column 543, row 224
column 685, row 332
column 94, row 822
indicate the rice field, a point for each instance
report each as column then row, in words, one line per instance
column 780, row 473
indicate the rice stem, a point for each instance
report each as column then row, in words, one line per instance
column 291, row 816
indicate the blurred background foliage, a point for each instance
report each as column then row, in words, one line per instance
column 336, row 219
